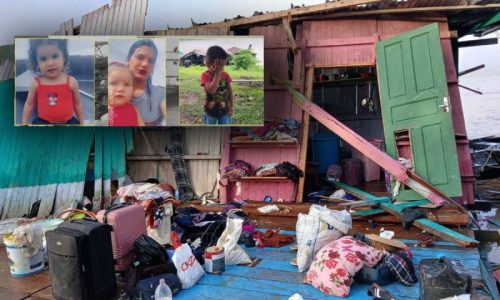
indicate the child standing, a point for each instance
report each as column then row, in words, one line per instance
column 120, row 91
column 55, row 93
column 219, row 99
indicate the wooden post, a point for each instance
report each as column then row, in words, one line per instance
column 305, row 134
column 289, row 33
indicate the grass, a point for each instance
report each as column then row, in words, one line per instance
column 248, row 99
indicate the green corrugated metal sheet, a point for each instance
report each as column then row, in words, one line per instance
column 39, row 156
column 32, row 158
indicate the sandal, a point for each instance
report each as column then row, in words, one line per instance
column 293, row 262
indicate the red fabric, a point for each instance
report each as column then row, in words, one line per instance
column 123, row 116
column 207, row 77
column 55, row 102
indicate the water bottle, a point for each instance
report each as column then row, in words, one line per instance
column 162, row 291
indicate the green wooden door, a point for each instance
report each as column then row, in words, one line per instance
column 415, row 107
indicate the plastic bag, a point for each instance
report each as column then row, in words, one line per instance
column 233, row 253
column 161, row 234
column 316, row 229
column 189, row 269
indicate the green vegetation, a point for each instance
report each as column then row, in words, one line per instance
column 248, row 96
column 244, row 59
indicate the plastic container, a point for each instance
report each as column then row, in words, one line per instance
column 162, row 291
column 352, row 170
column 371, row 170
column 20, row 263
column 215, row 260
column 326, row 150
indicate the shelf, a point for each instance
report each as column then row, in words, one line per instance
column 345, row 82
column 270, row 144
column 265, row 179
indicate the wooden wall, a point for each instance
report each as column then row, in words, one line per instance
column 202, row 154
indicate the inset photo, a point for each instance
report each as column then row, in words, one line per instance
column 136, row 80
column 54, row 81
column 221, row 81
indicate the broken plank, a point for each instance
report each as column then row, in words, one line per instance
column 437, row 229
column 291, row 39
column 368, row 202
column 400, row 206
column 368, row 212
column 352, row 190
column 415, row 182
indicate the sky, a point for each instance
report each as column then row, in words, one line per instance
column 43, row 17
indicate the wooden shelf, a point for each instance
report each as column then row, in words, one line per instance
column 345, row 82
column 270, row 144
column 266, row 179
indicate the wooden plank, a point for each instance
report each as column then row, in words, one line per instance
column 291, row 39
column 470, row 70
column 167, row 157
column 474, row 43
column 293, row 13
column 305, row 135
column 407, row 10
column 435, row 228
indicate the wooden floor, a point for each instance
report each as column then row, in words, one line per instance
column 273, row 278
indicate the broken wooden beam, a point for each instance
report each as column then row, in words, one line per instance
column 470, row 70
column 470, row 89
column 378, row 156
column 289, row 33
column 482, row 42
column 432, row 227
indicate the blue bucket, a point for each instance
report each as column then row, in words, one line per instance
column 326, row 150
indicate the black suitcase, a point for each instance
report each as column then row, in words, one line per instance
column 81, row 261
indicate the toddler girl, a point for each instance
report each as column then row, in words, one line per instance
column 54, row 92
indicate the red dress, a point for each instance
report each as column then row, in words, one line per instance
column 55, row 102
column 123, row 116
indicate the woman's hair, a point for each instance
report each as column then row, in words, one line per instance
column 215, row 52
column 35, row 43
column 152, row 46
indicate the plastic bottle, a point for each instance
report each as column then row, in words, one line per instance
column 163, row 292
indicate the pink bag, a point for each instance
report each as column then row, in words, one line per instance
column 128, row 223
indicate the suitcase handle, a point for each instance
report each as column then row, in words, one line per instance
column 74, row 212
column 111, row 208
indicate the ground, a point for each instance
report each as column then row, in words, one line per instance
column 271, row 278
column 248, row 96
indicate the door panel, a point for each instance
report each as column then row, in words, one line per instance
column 414, row 98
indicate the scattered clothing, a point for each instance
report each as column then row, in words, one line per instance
column 271, row 238
column 411, row 214
column 401, row 267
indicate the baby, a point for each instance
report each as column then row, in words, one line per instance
column 120, row 90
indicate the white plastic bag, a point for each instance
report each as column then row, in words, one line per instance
column 188, row 268
column 307, row 230
column 316, row 229
column 161, row 234
column 233, row 253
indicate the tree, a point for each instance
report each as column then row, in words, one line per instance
column 244, row 59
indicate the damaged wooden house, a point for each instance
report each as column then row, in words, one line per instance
column 370, row 91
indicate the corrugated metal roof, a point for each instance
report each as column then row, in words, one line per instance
column 123, row 17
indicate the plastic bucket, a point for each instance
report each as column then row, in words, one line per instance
column 215, row 260
column 371, row 170
column 352, row 171
column 326, row 150
column 20, row 264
